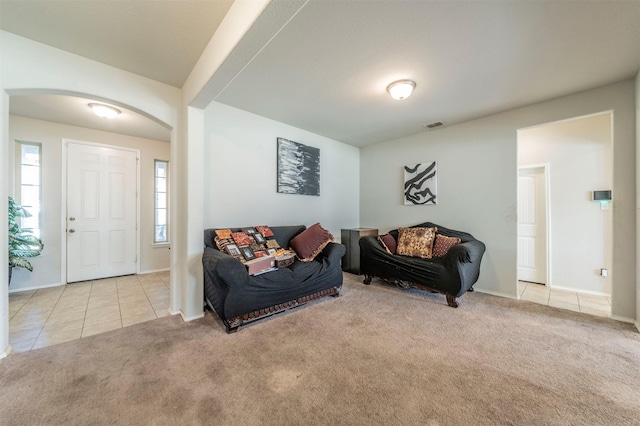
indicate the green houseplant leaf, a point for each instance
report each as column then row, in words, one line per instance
column 22, row 243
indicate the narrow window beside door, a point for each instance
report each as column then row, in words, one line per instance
column 161, row 234
column 29, row 182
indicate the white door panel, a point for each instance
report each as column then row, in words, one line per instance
column 532, row 245
column 101, row 212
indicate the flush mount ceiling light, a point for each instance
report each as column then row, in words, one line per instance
column 401, row 89
column 104, row 111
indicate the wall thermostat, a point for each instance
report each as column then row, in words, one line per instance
column 602, row 195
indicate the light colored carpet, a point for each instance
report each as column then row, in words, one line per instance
column 376, row 355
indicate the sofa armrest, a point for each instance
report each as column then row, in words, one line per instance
column 334, row 252
column 370, row 243
column 468, row 252
column 223, row 270
column 373, row 256
column 465, row 258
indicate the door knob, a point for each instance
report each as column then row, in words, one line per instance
column 72, row 218
column 71, row 231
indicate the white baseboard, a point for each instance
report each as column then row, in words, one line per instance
column 194, row 317
column 624, row 319
column 6, row 352
column 494, row 293
column 575, row 290
column 153, row 271
column 17, row 290
column 638, row 326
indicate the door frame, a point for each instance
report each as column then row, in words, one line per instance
column 63, row 201
column 546, row 169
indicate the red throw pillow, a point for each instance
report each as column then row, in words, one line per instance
column 310, row 242
column 442, row 244
column 388, row 242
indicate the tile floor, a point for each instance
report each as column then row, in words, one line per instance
column 578, row 302
column 44, row 317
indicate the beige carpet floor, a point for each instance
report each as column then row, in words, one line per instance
column 377, row 355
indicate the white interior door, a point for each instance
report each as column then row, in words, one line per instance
column 532, row 225
column 101, row 212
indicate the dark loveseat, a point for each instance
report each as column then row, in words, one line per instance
column 453, row 274
column 239, row 298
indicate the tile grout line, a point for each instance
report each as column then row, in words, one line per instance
column 91, row 292
column 25, row 302
column 148, row 300
column 119, row 307
column 49, row 316
column 86, row 309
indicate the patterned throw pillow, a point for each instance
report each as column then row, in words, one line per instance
column 416, row 242
column 388, row 242
column 442, row 244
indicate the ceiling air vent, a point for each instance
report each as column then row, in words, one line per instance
column 434, row 125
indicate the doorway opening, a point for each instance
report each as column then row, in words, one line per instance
column 533, row 224
column 40, row 299
column 565, row 237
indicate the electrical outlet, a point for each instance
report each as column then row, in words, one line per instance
column 604, row 272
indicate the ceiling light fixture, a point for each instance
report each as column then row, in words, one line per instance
column 401, row 89
column 104, row 111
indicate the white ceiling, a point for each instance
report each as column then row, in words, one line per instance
column 75, row 111
column 158, row 39
column 326, row 68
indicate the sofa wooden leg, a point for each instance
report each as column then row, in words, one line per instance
column 367, row 279
column 452, row 301
column 233, row 325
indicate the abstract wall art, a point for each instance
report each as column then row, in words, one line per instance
column 298, row 168
column 420, row 184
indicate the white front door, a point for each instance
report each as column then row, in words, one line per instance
column 101, row 212
column 532, row 232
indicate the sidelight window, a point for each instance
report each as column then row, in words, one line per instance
column 29, row 180
column 161, row 234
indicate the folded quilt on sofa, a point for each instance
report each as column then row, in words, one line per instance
column 238, row 297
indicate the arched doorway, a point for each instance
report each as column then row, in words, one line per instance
column 54, row 112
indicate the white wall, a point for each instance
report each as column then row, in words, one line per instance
column 240, row 175
column 580, row 157
column 31, row 67
column 638, row 199
column 477, row 166
column 47, row 267
column 4, row 192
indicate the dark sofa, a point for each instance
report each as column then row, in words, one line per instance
column 452, row 275
column 239, row 298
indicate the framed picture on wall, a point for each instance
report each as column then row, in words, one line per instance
column 420, row 184
column 298, row 168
